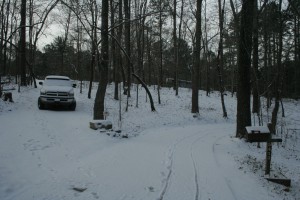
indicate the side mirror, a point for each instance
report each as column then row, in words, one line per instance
column 74, row 85
column 40, row 83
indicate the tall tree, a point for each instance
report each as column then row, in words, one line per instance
column 4, row 34
column 278, row 75
column 255, row 85
column 205, row 49
column 2, row 41
column 149, row 58
column 113, row 50
column 35, row 30
column 3, row 37
column 234, row 46
column 160, row 73
column 255, row 68
column 79, row 42
column 103, row 68
column 244, row 66
column 295, row 10
column 23, row 43
column 140, row 15
column 175, row 47
column 196, row 64
column 161, row 7
column 127, row 45
column 120, row 70
column 220, row 64
column 94, row 14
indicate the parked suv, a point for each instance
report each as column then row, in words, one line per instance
column 57, row 90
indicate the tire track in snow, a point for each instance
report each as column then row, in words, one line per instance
column 196, row 178
column 167, row 180
column 213, row 142
column 200, row 139
column 169, row 167
column 219, row 166
column 172, row 150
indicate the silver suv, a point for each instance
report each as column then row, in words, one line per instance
column 57, row 90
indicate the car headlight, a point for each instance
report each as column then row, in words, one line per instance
column 71, row 94
column 43, row 92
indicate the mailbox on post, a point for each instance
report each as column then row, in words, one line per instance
column 257, row 134
column 262, row 134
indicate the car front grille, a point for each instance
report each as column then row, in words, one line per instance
column 57, row 94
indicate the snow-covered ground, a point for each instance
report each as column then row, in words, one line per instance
column 170, row 154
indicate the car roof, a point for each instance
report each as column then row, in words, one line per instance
column 57, row 77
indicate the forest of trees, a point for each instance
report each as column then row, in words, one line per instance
column 242, row 47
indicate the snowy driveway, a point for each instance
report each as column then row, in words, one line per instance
column 171, row 163
column 46, row 154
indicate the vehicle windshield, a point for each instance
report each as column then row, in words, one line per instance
column 58, row 82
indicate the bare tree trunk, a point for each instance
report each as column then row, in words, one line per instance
column 79, row 46
column 32, row 46
column 160, row 73
column 94, row 16
column 5, row 37
column 205, row 48
column 278, row 78
column 196, row 64
column 175, row 43
column 65, row 40
column 2, row 42
column 35, row 37
column 255, row 85
column 266, row 58
column 236, row 35
column 114, row 60
column 127, row 45
column 149, row 57
column 120, row 69
column 235, row 16
column 179, row 39
column 140, row 15
column 244, row 66
column 23, row 43
column 92, row 71
column 220, row 58
column 103, row 68
column 296, row 29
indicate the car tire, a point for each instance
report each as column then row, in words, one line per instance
column 41, row 105
column 73, row 106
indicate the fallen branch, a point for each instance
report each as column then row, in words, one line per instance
column 147, row 90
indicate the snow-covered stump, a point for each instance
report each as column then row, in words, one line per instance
column 101, row 124
column 7, row 96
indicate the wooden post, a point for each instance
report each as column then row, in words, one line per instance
column 262, row 134
column 269, row 152
column 268, row 158
column 0, row 86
